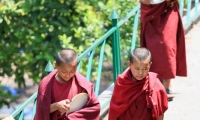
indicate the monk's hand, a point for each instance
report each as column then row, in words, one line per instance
column 63, row 106
column 146, row 2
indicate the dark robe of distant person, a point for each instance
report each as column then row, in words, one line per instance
column 163, row 34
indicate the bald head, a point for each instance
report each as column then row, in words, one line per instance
column 67, row 56
column 140, row 54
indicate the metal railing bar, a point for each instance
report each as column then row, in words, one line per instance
column 97, row 86
column 89, row 69
column 34, row 109
column 131, row 13
column 16, row 112
column 21, row 115
column 181, row 7
column 97, row 43
column 135, row 29
column 188, row 17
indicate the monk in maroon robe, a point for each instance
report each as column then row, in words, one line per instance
column 163, row 34
column 138, row 94
column 60, row 86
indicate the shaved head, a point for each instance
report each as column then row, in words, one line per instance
column 140, row 54
column 67, row 56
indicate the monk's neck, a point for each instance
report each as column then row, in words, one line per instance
column 133, row 78
column 60, row 80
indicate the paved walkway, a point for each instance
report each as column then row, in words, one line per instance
column 186, row 104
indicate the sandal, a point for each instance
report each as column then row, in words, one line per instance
column 170, row 96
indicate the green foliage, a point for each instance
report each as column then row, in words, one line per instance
column 5, row 97
column 33, row 31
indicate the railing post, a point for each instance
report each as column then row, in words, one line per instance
column 115, row 47
column 49, row 67
column 188, row 16
column 196, row 6
column 181, row 6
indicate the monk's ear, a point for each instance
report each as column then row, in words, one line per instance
column 55, row 65
column 129, row 63
column 150, row 63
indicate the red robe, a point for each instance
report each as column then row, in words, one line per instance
column 62, row 91
column 44, row 99
column 138, row 100
column 163, row 34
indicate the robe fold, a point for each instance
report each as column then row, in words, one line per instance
column 90, row 111
column 138, row 100
column 163, row 34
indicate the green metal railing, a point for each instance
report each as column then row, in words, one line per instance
column 189, row 11
column 190, row 14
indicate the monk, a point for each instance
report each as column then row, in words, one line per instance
column 163, row 34
column 60, row 86
column 138, row 94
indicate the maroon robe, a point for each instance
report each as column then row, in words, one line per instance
column 45, row 98
column 62, row 91
column 138, row 100
column 163, row 34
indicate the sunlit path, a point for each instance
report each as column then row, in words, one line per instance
column 186, row 104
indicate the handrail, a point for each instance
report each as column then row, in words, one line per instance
column 188, row 19
column 191, row 13
column 32, row 98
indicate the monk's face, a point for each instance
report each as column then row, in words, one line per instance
column 66, row 71
column 139, row 69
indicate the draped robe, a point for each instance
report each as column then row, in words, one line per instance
column 137, row 100
column 79, row 83
column 163, row 34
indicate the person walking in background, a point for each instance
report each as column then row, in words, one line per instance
column 163, row 34
column 138, row 94
column 60, row 86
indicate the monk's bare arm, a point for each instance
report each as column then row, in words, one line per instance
column 62, row 106
column 161, row 117
column 53, row 107
column 147, row 2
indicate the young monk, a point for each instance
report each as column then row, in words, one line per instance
column 138, row 94
column 60, row 86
